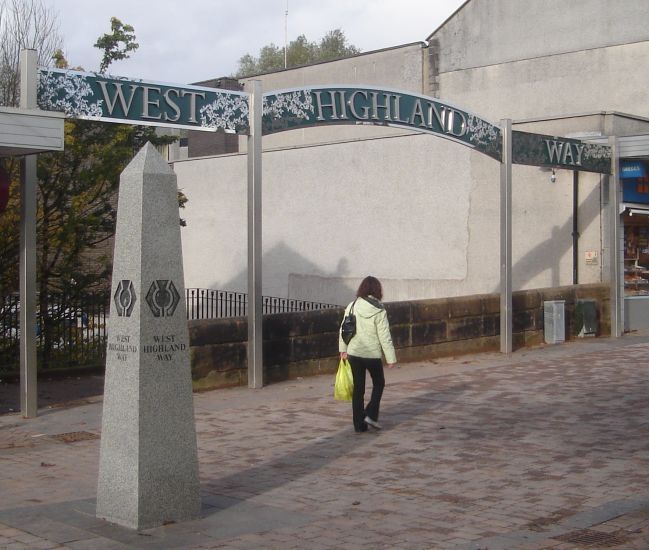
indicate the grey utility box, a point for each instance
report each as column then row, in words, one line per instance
column 554, row 321
column 586, row 318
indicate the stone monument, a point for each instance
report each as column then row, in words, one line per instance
column 148, row 466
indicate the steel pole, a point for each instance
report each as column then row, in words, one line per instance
column 616, row 244
column 255, row 340
column 27, row 264
column 506, row 239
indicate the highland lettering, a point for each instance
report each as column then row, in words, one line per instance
column 122, row 346
column 160, row 348
column 375, row 106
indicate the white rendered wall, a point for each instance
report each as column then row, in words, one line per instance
column 491, row 32
column 419, row 212
column 602, row 79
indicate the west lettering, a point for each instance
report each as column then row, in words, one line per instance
column 171, row 103
column 192, row 102
column 117, row 96
column 147, row 102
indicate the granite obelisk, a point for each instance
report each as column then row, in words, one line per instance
column 148, row 466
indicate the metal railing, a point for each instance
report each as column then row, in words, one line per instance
column 70, row 332
column 204, row 303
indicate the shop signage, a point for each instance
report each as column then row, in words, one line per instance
column 558, row 152
column 113, row 99
column 632, row 170
column 301, row 107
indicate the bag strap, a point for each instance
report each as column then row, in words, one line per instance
column 351, row 310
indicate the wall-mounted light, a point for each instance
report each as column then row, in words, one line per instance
column 553, row 176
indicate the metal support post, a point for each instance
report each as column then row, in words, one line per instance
column 255, row 340
column 616, row 244
column 27, row 267
column 506, row 239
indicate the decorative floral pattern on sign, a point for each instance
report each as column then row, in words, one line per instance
column 480, row 132
column 227, row 111
column 67, row 92
column 594, row 151
column 299, row 104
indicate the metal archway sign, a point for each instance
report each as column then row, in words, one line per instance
column 108, row 98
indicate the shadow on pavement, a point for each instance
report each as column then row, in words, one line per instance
column 323, row 450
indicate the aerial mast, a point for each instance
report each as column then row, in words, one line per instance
column 286, row 36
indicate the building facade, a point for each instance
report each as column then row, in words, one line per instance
column 417, row 211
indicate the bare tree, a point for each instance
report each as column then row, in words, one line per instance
column 24, row 24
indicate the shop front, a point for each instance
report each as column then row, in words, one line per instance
column 634, row 175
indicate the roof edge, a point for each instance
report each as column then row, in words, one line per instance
column 417, row 42
column 447, row 20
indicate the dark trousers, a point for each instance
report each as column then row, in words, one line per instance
column 375, row 368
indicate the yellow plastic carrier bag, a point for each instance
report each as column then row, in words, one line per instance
column 344, row 386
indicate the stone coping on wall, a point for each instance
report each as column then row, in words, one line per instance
column 306, row 343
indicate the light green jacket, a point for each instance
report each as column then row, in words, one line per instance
column 372, row 332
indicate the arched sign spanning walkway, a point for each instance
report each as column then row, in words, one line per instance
column 112, row 99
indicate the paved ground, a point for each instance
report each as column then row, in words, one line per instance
column 548, row 448
column 53, row 392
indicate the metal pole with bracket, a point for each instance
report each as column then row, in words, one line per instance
column 27, row 267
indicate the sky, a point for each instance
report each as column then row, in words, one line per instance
column 194, row 40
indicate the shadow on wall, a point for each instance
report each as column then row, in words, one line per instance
column 280, row 262
column 528, row 267
column 339, row 287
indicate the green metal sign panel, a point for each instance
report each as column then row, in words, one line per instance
column 559, row 152
column 297, row 108
column 113, row 99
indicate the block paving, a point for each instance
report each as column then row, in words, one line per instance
column 546, row 448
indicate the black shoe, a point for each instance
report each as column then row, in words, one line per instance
column 362, row 429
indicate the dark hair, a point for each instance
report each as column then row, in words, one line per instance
column 370, row 286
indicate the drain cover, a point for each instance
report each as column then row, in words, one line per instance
column 589, row 537
column 71, row 437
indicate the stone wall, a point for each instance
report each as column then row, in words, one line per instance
column 306, row 343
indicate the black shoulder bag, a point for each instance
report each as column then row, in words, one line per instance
column 348, row 327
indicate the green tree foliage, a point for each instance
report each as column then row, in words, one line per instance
column 23, row 24
column 299, row 52
column 116, row 45
column 77, row 191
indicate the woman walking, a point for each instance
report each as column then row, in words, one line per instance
column 364, row 351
